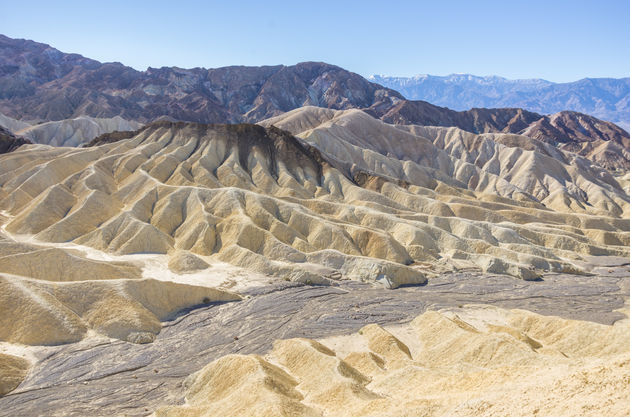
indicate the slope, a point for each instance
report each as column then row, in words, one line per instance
column 510, row 166
column 472, row 361
column 9, row 142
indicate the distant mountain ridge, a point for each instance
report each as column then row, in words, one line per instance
column 40, row 83
column 604, row 98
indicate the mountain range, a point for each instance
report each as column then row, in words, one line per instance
column 605, row 98
column 40, row 83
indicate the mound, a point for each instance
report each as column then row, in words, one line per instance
column 602, row 142
column 479, row 361
column 182, row 262
column 59, row 265
column 49, row 313
column 13, row 370
column 54, row 295
column 355, row 198
column 12, row 125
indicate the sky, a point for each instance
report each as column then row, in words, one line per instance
column 559, row 41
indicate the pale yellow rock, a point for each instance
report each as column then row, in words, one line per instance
column 242, row 385
column 384, row 344
column 59, row 265
column 33, row 316
column 353, row 198
column 13, row 370
column 36, row 312
column 12, row 124
column 472, row 361
column 74, row 132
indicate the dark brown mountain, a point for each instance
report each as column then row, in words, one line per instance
column 474, row 120
column 38, row 82
column 9, row 142
column 570, row 126
column 600, row 141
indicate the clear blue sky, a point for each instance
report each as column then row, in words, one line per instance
column 555, row 40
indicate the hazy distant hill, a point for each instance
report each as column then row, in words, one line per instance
column 605, row 98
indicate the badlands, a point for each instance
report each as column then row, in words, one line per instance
column 471, row 361
column 179, row 249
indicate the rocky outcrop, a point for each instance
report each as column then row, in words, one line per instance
column 509, row 120
column 9, row 142
column 11, row 124
column 602, row 142
column 55, row 295
column 13, row 370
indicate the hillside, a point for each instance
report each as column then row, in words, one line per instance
column 39, row 82
column 602, row 142
column 512, row 362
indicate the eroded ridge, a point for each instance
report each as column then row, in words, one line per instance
column 476, row 360
column 322, row 209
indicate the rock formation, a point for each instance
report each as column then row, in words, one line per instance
column 13, row 369
column 53, row 295
column 39, row 82
column 354, row 198
column 476, row 360
column 11, row 124
column 601, row 142
column 109, row 228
